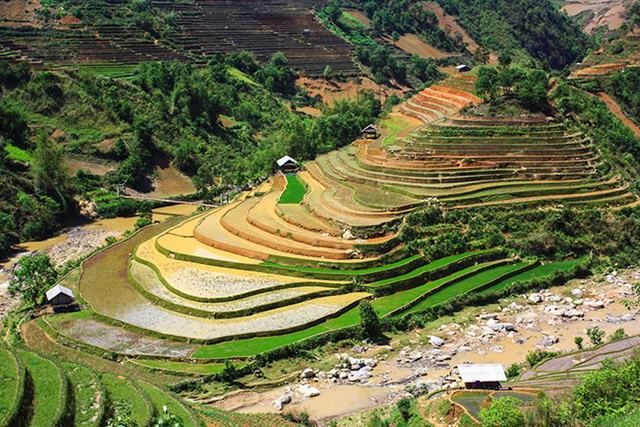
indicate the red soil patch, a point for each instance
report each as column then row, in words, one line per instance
column 412, row 44
column 59, row 134
column 330, row 90
column 227, row 121
column 615, row 109
column 71, row 20
column 106, row 144
column 360, row 16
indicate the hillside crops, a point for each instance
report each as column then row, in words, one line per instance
column 291, row 260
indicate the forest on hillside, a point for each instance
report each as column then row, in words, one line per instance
column 169, row 109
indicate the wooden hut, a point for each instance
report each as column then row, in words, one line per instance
column 482, row 376
column 370, row 131
column 287, row 165
column 59, row 296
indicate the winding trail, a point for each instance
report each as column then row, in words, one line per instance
column 615, row 109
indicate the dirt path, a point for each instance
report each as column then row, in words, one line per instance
column 615, row 109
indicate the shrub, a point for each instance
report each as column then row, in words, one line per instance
column 369, row 321
column 596, row 335
column 578, row 341
column 617, row 335
column 503, row 412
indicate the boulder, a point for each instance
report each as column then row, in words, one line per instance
column 308, row 373
column 358, row 349
column 535, row 298
column 549, row 340
column 577, row 292
column 435, row 341
column 595, row 304
column 307, row 391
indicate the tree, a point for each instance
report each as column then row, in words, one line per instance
column 596, row 335
column 617, row 335
column 48, row 169
column 327, row 72
column 578, row 341
column 404, row 407
column 505, row 59
column 369, row 321
column 503, row 412
column 33, row 276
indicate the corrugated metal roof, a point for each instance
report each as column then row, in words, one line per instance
column 471, row 373
column 286, row 159
column 57, row 290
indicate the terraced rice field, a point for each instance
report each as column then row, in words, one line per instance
column 12, row 382
column 294, row 259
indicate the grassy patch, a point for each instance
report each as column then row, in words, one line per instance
column 383, row 306
column 126, row 401
column 17, row 153
column 11, row 385
column 295, row 191
column 463, row 286
column 89, row 395
column 536, row 272
column 181, row 367
column 241, row 76
column 48, row 388
column 161, row 398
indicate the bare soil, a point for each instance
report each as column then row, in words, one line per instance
column 615, row 109
column 412, row 44
column 449, row 24
column 608, row 13
column 332, row 90
column 19, row 10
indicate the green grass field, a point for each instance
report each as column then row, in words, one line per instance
column 383, row 306
column 127, row 401
column 17, row 153
column 89, row 395
column 182, row 367
column 295, row 191
column 49, row 388
column 536, row 272
column 10, row 385
column 162, row 398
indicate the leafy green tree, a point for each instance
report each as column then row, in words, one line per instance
column 513, row 371
column 611, row 389
column 48, row 169
column 33, row 276
column 578, row 341
column 595, row 335
column 404, row 407
column 369, row 321
column 617, row 335
column 503, row 412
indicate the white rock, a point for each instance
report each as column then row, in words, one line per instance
column 307, row 391
column 594, row 304
column 435, row 341
column 535, row 298
column 577, row 293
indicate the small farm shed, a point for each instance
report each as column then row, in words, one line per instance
column 462, row 68
column 287, row 164
column 370, row 131
column 59, row 296
column 485, row 376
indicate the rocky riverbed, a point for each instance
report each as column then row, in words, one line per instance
column 371, row 375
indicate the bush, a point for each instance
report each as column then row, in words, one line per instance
column 503, row 412
column 596, row 335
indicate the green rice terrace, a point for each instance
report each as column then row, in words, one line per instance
column 291, row 260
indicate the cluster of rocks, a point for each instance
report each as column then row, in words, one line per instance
column 79, row 242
